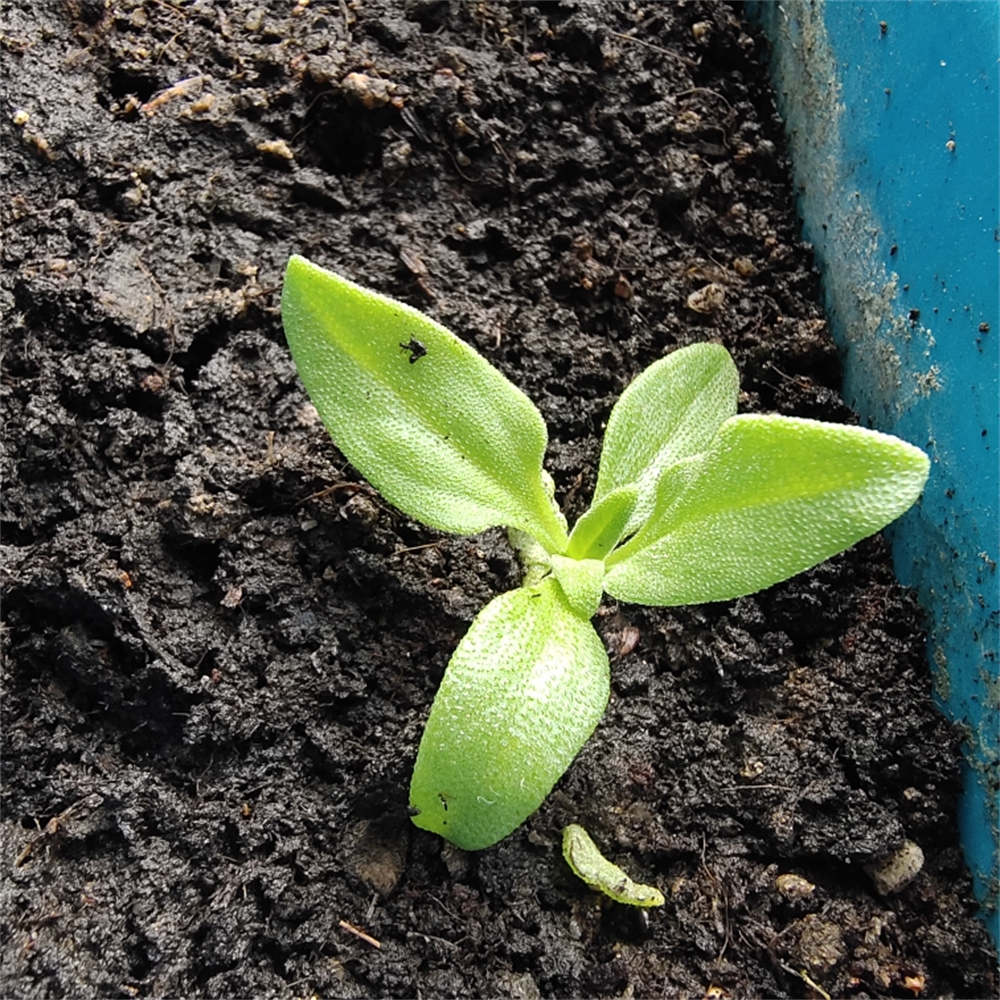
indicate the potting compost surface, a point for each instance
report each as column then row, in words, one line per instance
column 221, row 644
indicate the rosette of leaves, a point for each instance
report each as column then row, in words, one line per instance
column 693, row 503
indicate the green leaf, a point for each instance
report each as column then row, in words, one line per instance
column 523, row 691
column 601, row 528
column 670, row 411
column 582, row 582
column 432, row 425
column 771, row 497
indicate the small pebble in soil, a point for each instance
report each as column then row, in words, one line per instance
column 396, row 156
column 701, row 31
column 276, row 149
column 897, row 870
column 794, row 887
column 369, row 91
column 708, row 299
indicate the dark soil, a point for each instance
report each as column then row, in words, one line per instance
column 221, row 645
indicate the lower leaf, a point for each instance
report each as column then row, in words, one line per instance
column 522, row 693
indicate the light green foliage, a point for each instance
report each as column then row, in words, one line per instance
column 581, row 580
column 692, row 503
column 523, row 691
column 589, row 864
column 670, row 411
column 601, row 528
column 441, row 434
column 770, row 497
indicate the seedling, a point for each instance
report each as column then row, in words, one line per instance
column 693, row 503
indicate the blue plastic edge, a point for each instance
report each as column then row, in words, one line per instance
column 892, row 115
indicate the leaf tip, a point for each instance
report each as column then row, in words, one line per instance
column 297, row 266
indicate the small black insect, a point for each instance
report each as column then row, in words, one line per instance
column 416, row 349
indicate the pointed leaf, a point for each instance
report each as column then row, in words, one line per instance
column 523, row 691
column 436, row 429
column 771, row 497
column 601, row 528
column 670, row 411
